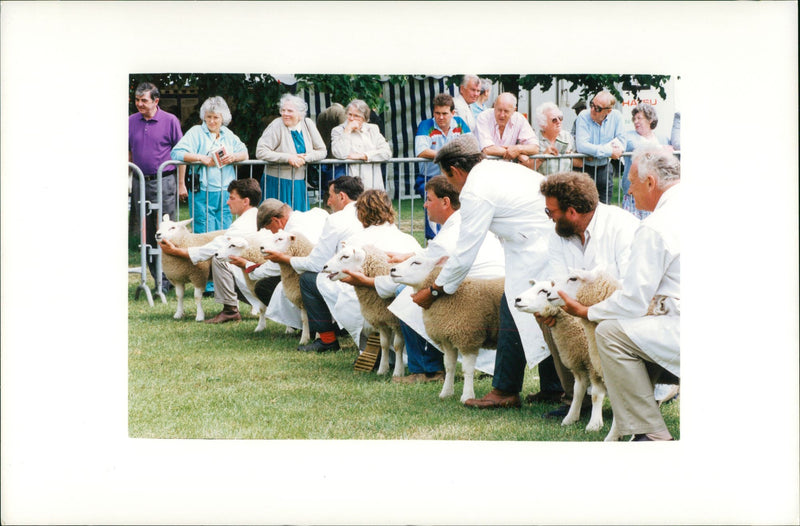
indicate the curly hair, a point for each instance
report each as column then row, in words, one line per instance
column 374, row 208
column 571, row 189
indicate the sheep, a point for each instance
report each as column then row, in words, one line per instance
column 293, row 244
column 590, row 287
column 244, row 248
column 180, row 271
column 372, row 262
column 572, row 347
column 464, row 321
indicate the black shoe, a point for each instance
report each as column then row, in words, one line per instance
column 318, row 346
column 562, row 410
column 641, row 438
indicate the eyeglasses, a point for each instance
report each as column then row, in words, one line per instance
column 549, row 213
column 598, row 109
column 557, row 119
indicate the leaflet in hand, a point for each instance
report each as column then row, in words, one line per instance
column 217, row 155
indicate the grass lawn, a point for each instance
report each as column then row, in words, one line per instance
column 193, row 380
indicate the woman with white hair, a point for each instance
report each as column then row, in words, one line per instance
column 358, row 139
column 216, row 147
column 553, row 140
column 645, row 120
column 288, row 143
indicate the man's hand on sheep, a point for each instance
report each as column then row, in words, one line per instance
column 572, row 306
column 423, row 298
column 238, row 261
column 549, row 321
column 168, row 248
column 396, row 257
column 358, row 279
column 277, row 257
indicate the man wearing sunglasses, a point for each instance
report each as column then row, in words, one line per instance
column 599, row 134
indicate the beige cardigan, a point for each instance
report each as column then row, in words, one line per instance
column 276, row 146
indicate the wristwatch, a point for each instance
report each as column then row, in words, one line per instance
column 436, row 293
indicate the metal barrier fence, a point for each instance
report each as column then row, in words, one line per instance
column 398, row 176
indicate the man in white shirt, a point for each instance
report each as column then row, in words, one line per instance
column 503, row 198
column 504, row 132
column 588, row 234
column 339, row 226
column 468, row 92
column 243, row 193
column 635, row 348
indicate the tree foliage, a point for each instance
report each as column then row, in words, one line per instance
column 586, row 85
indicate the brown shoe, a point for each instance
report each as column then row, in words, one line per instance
column 226, row 315
column 495, row 399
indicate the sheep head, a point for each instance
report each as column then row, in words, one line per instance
column 348, row 258
column 542, row 298
column 277, row 242
column 172, row 230
column 414, row 270
column 232, row 246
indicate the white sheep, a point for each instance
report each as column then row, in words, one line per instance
column 244, row 247
column 590, row 287
column 375, row 310
column 572, row 347
column 293, row 244
column 180, row 271
column 464, row 321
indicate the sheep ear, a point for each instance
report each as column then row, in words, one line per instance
column 442, row 260
column 165, row 218
column 185, row 221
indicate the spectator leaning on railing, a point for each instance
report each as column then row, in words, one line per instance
column 504, row 132
column 294, row 139
column 359, row 140
column 553, row 140
column 599, row 134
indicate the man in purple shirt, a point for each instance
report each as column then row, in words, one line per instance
column 152, row 133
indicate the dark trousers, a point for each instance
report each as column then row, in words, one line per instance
column 265, row 287
column 603, row 179
column 509, row 363
column 319, row 316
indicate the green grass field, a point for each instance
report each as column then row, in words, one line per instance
column 193, row 380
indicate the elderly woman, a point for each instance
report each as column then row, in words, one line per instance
column 290, row 139
column 645, row 120
column 216, row 147
column 359, row 140
column 553, row 140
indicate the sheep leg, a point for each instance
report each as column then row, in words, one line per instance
column 578, row 392
column 468, row 366
column 613, row 434
column 198, row 302
column 179, row 289
column 305, row 336
column 262, row 320
column 598, row 395
column 399, row 349
column 450, row 361
column 385, row 334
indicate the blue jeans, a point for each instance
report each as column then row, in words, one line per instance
column 422, row 356
column 209, row 211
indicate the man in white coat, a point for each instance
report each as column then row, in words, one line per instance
column 631, row 343
column 503, row 198
column 588, row 234
column 339, row 226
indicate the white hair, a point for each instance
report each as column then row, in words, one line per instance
column 361, row 107
column 652, row 159
column 541, row 117
column 298, row 103
column 466, row 80
column 216, row 105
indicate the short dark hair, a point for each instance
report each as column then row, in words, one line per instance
column 147, row 87
column 249, row 188
column 571, row 189
column 374, row 208
column 352, row 186
column 441, row 187
column 462, row 152
column 444, row 99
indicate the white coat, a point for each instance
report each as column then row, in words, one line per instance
column 504, row 198
column 654, row 269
